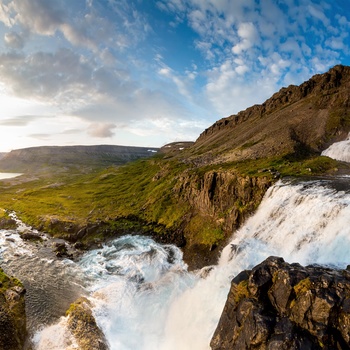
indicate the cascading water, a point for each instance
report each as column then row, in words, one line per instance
column 52, row 284
column 339, row 150
column 144, row 298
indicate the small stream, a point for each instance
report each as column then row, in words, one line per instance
column 51, row 283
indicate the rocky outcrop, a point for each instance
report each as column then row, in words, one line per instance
column 220, row 201
column 226, row 196
column 306, row 117
column 83, row 326
column 278, row 305
column 12, row 313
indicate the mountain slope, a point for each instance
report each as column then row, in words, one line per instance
column 193, row 195
column 295, row 120
column 41, row 158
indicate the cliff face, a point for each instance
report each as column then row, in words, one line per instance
column 220, row 201
column 305, row 117
column 278, row 305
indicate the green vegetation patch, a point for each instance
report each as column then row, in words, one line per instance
column 8, row 282
column 241, row 291
column 338, row 118
column 142, row 189
column 287, row 166
column 204, row 230
column 303, row 286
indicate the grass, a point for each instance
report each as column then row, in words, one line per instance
column 142, row 189
column 287, row 166
column 8, row 282
column 141, row 196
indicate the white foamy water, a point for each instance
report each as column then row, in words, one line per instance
column 144, row 298
column 339, row 150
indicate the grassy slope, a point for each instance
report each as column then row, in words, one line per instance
column 130, row 190
column 142, row 190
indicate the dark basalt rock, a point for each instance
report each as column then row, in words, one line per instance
column 278, row 305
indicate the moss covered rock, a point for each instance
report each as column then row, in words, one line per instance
column 278, row 305
column 12, row 313
column 83, row 326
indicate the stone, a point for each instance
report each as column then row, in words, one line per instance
column 278, row 305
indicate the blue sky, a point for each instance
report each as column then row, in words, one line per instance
column 143, row 72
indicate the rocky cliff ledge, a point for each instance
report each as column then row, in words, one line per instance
column 12, row 313
column 278, row 305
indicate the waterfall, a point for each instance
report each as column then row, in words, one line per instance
column 144, row 297
column 142, row 294
column 339, row 150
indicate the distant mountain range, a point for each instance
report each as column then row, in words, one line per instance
column 67, row 157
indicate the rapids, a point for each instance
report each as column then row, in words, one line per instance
column 144, row 298
column 143, row 295
column 339, row 150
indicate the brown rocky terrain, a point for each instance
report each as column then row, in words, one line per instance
column 278, row 305
column 296, row 119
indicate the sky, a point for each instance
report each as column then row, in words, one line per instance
column 150, row 72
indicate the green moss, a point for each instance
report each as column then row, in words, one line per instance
column 250, row 144
column 303, row 286
column 286, row 165
column 204, row 230
column 8, row 282
column 241, row 291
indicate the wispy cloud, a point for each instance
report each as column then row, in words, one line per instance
column 114, row 65
column 256, row 47
column 19, row 121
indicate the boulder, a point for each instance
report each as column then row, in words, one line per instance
column 83, row 326
column 12, row 313
column 278, row 305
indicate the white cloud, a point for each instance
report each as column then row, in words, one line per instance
column 292, row 47
column 88, row 59
column 5, row 15
column 317, row 12
column 101, row 130
column 14, row 40
column 248, row 35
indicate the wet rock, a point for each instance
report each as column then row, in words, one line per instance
column 278, row 305
column 12, row 313
column 31, row 236
column 83, row 326
column 7, row 223
column 60, row 249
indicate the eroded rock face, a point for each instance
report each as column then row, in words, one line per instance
column 286, row 306
column 83, row 326
column 12, row 313
column 305, row 118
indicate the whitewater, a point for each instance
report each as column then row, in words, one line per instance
column 143, row 296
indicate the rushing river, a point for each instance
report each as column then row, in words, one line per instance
column 142, row 294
